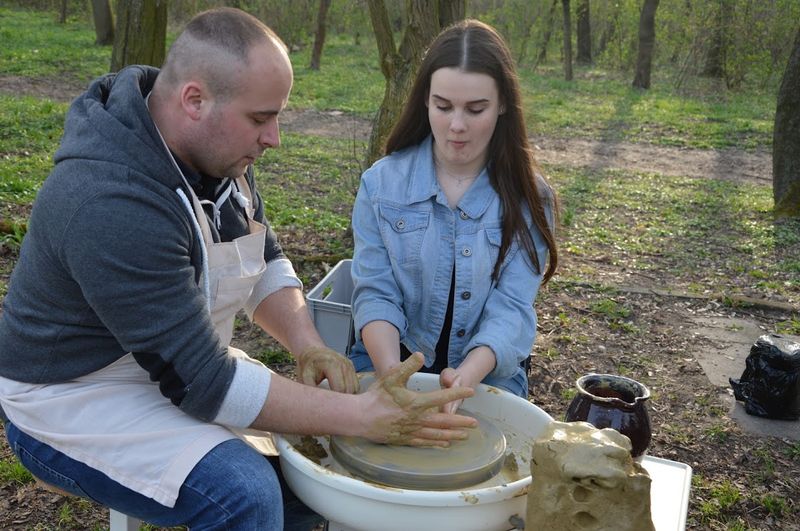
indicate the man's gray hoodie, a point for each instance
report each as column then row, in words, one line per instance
column 111, row 261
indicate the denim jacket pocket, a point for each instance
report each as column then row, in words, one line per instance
column 403, row 231
column 495, row 239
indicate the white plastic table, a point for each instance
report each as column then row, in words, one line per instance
column 669, row 492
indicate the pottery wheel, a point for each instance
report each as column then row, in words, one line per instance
column 462, row 464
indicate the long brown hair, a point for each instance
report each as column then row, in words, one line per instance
column 475, row 47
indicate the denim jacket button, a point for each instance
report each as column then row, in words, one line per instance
column 400, row 224
column 461, row 333
column 463, row 215
column 467, row 251
column 466, row 295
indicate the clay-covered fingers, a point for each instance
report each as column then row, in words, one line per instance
column 436, row 437
column 342, row 377
column 318, row 363
column 398, row 376
column 451, row 407
column 448, row 421
column 433, row 429
column 437, row 399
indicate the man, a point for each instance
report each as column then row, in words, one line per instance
column 116, row 376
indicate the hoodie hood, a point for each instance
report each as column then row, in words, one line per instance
column 110, row 122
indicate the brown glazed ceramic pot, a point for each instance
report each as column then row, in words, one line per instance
column 610, row 401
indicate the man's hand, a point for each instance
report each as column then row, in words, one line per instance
column 317, row 363
column 397, row 415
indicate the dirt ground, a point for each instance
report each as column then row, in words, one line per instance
column 689, row 414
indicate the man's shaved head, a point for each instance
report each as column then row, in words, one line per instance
column 214, row 47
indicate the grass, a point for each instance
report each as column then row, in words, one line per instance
column 13, row 472
column 719, row 233
column 35, row 45
column 606, row 107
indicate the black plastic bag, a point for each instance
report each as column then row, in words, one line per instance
column 770, row 384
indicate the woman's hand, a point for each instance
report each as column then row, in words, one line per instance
column 479, row 362
column 448, row 379
column 396, row 415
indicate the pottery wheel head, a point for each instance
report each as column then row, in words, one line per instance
column 463, row 464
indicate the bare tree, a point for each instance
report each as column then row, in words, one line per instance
column 103, row 22
column 62, row 12
column 567, row 40
column 584, row 33
column 141, row 33
column 715, row 52
column 425, row 18
column 786, row 139
column 319, row 38
column 647, row 41
column 548, row 30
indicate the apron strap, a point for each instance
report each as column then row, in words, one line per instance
column 216, row 205
column 244, row 196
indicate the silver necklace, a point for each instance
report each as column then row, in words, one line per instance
column 460, row 180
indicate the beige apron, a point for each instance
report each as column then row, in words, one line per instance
column 234, row 268
column 154, row 445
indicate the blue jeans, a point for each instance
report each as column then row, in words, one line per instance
column 232, row 487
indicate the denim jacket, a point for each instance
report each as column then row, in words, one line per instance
column 407, row 240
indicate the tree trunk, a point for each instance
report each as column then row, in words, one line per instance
column 62, row 12
column 717, row 47
column 647, row 41
column 546, row 38
column 399, row 65
column 103, row 22
column 319, row 39
column 786, row 139
column 584, row 30
column 451, row 11
column 141, row 33
column 567, row 40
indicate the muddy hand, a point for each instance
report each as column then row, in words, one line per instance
column 416, row 420
column 317, row 363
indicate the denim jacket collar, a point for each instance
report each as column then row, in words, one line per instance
column 423, row 184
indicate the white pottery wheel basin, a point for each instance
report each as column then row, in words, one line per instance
column 352, row 503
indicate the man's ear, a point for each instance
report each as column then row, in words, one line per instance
column 193, row 99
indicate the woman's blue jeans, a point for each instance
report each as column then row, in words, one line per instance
column 232, row 487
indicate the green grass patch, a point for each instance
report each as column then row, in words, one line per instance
column 273, row 356
column 349, row 79
column 35, row 45
column 30, row 130
column 691, row 232
column 14, row 472
column 606, row 107
column 310, row 182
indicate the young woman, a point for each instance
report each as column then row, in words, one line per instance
column 454, row 227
